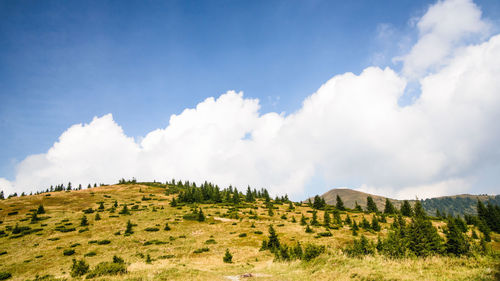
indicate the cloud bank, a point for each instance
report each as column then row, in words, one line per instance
column 350, row 132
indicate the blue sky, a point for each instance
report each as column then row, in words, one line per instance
column 62, row 63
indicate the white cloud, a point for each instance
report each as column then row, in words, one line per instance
column 350, row 132
column 445, row 26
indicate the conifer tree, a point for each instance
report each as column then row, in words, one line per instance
column 456, row 243
column 40, row 210
column 97, row 217
column 84, row 221
column 348, row 220
column 303, row 220
column 340, row 204
column 314, row 220
column 201, row 216
column 389, row 207
column 375, row 225
column 128, row 229
column 354, row 228
column 115, row 204
column 273, row 243
column 167, row 227
column 228, row 258
column 308, row 229
column 2, row 196
column 371, row 207
column 101, row 206
column 406, row 209
column 249, row 196
column 357, row 207
column 326, row 219
column 173, row 203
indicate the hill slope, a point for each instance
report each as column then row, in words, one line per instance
column 192, row 250
column 455, row 205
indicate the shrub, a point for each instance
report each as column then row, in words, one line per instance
column 97, row 217
column 79, row 268
column 154, row 242
column 228, row 258
column 5, row 275
column 167, row 227
column 90, row 254
column 107, row 268
column 88, row 211
column 68, row 252
column 312, row 251
column 325, row 234
column 360, row 247
column 242, row 235
column 258, row 232
column 152, row 229
column 210, row 241
column 201, row 250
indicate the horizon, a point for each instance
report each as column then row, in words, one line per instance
column 398, row 99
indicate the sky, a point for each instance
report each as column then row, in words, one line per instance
column 398, row 98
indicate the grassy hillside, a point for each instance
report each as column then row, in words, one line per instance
column 193, row 250
column 455, row 205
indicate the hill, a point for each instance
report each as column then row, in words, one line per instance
column 456, row 204
column 166, row 239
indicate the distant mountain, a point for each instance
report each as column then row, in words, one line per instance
column 455, row 204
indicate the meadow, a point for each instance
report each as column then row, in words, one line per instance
column 166, row 242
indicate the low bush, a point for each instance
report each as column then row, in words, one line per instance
column 107, row 268
column 242, row 235
column 201, row 250
column 79, row 268
column 5, row 275
column 68, row 252
column 152, row 229
column 90, row 254
column 210, row 241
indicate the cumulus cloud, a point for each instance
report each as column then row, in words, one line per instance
column 351, row 131
column 444, row 27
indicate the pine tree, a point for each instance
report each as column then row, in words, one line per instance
column 419, row 211
column 2, row 196
column 423, row 239
column 406, row 209
column 97, row 217
column 201, row 216
column 340, row 204
column 326, row 219
column 371, row 207
column 167, row 227
column 357, row 207
column 456, row 243
column 40, row 210
column 84, row 221
column 101, row 206
column 354, row 228
column 249, row 196
column 303, row 220
column 173, row 203
column 318, row 202
column 308, row 229
column 273, row 243
column 129, row 230
column 389, row 208
column 115, row 204
column 365, row 224
column 314, row 220
column 228, row 258
column 124, row 211
column 348, row 220
column 375, row 225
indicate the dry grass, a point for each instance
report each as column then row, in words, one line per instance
column 35, row 254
